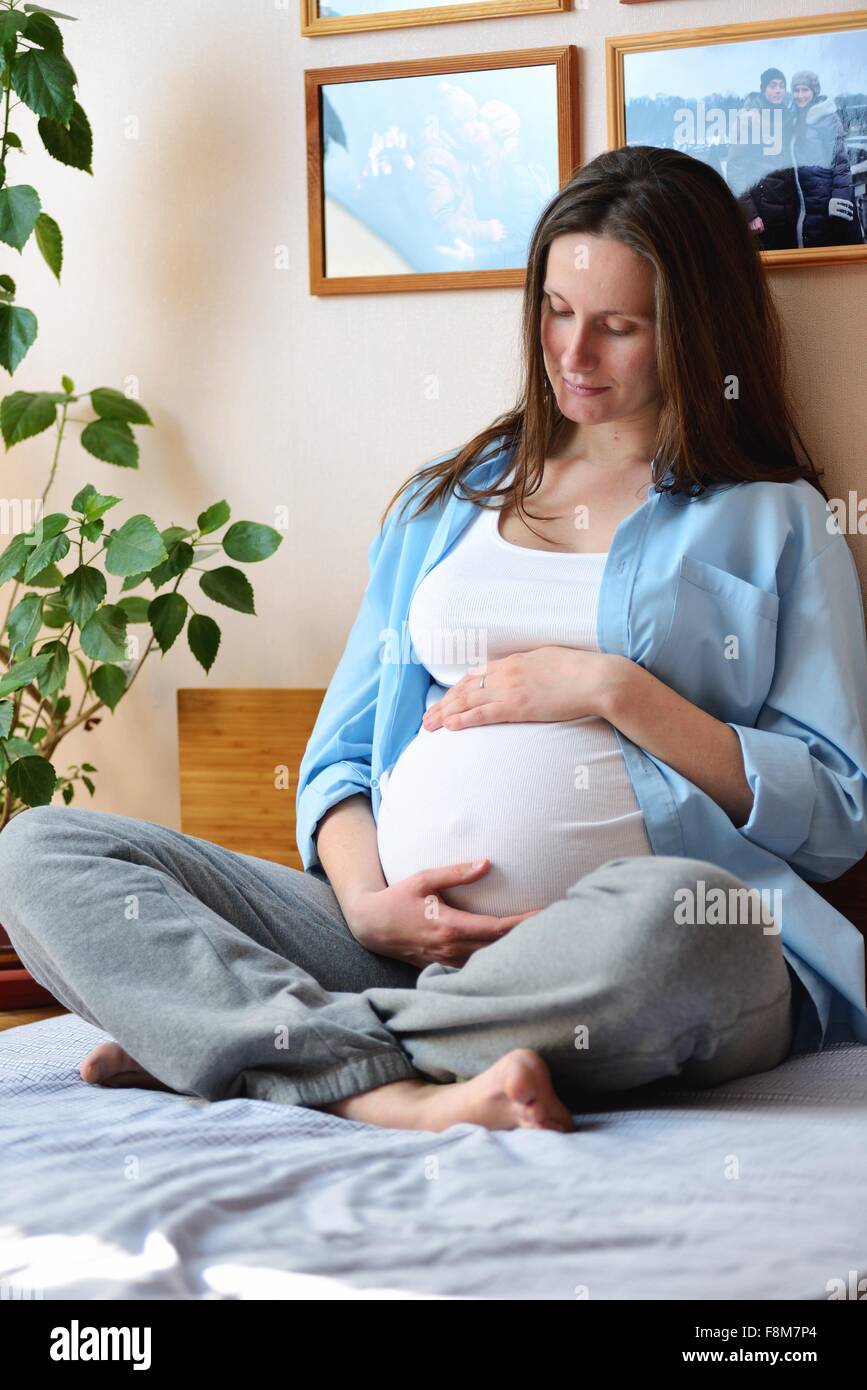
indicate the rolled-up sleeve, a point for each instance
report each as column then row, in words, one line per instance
column 337, row 760
column 806, row 757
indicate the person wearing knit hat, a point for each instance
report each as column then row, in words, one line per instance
column 759, row 165
column 824, row 187
column 772, row 75
column 805, row 78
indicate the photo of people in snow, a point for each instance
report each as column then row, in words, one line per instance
column 784, row 121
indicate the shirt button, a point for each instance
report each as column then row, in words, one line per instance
column 374, row 781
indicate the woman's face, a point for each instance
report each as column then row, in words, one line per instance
column 598, row 328
column 803, row 95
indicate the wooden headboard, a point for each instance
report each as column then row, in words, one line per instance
column 239, row 756
column 239, row 752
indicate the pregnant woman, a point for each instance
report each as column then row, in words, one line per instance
column 578, row 764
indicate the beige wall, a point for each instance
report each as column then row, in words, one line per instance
column 262, row 394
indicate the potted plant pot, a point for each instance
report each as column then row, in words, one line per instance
column 18, row 989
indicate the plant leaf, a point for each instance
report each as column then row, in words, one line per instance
column 248, row 541
column 135, row 607
column 112, row 441
column 40, row 9
column 14, row 557
column 180, row 558
column 24, row 414
column 46, row 554
column 10, row 26
column 203, row 635
column 228, row 586
column 32, row 780
column 214, row 517
column 167, row 615
column 41, row 29
column 49, row 578
column 18, row 330
column 114, row 405
column 71, row 145
column 90, row 503
column 49, row 239
column 44, row 80
column 55, row 673
column 47, row 526
column 109, row 683
column 103, row 637
column 14, row 748
column 55, row 613
column 137, row 545
column 19, row 210
column 22, row 673
column 83, row 591
column 132, row 581
column 6, row 708
column 24, row 624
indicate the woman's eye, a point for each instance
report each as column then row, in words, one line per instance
column 565, row 314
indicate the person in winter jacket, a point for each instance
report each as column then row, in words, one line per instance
column 759, row 166
column 827, row 215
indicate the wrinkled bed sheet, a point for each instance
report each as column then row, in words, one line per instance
column 752, row 1190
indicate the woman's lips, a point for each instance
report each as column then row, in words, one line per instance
column 583, row 390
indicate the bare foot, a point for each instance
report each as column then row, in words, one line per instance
column 109, row 1065
column 515, row 1093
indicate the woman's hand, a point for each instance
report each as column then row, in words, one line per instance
column 409, row 920
column 548, row 684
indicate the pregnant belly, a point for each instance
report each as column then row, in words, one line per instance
column 545, row 803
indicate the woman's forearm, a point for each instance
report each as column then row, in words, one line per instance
column 679, row 733
column 346, row 843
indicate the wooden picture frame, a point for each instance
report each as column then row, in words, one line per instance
column 425, row 224
column 314, row 24
column 796, row 231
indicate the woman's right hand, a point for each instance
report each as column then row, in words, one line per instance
column 409, row 920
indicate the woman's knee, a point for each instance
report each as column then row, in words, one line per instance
column 660, row 912
column 31, row 856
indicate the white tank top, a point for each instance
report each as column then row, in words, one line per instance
column 545, row 802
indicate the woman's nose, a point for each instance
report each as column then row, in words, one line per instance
column 578, row 353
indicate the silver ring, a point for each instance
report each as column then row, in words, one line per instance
column 482, row 680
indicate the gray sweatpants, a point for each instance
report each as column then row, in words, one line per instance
column 226, row 975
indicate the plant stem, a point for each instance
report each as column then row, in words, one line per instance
column 44, row 495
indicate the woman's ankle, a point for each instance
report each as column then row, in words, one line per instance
column 381, row 1105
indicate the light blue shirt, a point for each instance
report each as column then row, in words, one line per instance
column 746, row 601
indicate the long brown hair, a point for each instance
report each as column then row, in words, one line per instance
column 715, row 319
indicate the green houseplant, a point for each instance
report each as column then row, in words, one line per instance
column 70, row 649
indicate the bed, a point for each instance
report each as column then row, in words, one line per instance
column 751, row 1190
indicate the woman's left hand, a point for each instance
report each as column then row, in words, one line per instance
column 548, row 684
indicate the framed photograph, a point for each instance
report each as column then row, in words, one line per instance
column 430, row 174
column 779, row 108
column 348, row 16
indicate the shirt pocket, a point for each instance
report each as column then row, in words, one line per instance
column 720, row 648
